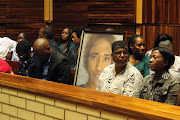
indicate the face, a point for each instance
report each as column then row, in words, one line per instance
column 23, row 56
column 120, row 57
column 65, row 34
column 75, row 39
column 156, row 61
column 139, row 46
column 41, row 35
column 99, row 58
column 20, row 37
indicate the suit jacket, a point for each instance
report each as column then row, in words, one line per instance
column 59, row 68
column 54, row 45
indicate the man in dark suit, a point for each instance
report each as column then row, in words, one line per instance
column 50, row 64
column 47, row 32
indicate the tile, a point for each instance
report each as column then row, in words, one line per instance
column 9, row 91
column 16, row 101
column 45, row 100
column 70, row 115
column 95, row 118
column 4, row 98
column 65, row 105
column 88, row 111
column 26, row 95
column 35, row 106
column 42, row 117
column 24, row 114
column 54, row 111
column 4, row 117
column 112, row 116
column 13, row 118
column 10, row 110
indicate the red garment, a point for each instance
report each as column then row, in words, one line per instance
column 4, row 66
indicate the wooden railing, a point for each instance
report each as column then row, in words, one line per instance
column 133, row 107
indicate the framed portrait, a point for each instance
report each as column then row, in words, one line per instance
column 94, row 55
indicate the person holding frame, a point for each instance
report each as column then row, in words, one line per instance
column 121, row 77
column 95, row 56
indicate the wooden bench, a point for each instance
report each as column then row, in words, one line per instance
column 14, row 65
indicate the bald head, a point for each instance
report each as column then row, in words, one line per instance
column 42, row 49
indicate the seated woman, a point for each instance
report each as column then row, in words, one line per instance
column 65, row 43
column 21, row 36
column 73, row 53
column 121, row 77
column 160, row 86
column 137, row 58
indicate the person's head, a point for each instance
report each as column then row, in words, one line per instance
column 76, row 35
column 120, row 53
column 97, row 54
column 42, row 49
column 161, row 59
column 23, row 50
column 66, row 35
column 136, row 44
column 22, row 36
column 162, row 37
column 166, row 44
column 46, row 32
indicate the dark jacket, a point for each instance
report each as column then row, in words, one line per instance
column 54, row 45
column 59, row 69
column 26, row 68
column 73, row 55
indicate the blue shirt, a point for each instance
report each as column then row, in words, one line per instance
column 45, row 69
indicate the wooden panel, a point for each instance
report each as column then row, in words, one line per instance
column 22, row 16
column 12, row 30
column 132, row 107
column 110, row 11
column 89, row 13
column 2, row 30
column 161, row 11
column 68, row 14
column 150, row 33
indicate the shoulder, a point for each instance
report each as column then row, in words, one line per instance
column 145, row 57
column 57, row 57
column 172, row 80
column 108, row 70
column 133, row 71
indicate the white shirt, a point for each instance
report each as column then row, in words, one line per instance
column 6, row 45
column 128, row 82
column 175, row 68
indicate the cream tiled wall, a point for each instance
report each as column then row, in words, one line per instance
column 18, row 105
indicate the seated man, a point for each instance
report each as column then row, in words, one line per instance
column 27, row 59
column 47, row 33
column 50, row 64
column 121, row 77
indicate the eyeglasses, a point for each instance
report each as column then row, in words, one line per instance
column 125, row 53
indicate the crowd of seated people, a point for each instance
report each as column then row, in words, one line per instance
column 124, row 69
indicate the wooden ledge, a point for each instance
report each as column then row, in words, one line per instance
column 134, row 107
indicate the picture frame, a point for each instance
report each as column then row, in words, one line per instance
column 94, row 55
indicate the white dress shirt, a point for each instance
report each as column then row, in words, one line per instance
column 6, row 45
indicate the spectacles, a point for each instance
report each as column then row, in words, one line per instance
column 125, row 53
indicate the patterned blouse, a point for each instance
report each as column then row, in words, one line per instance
column 164, row 91
column 128, row 82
